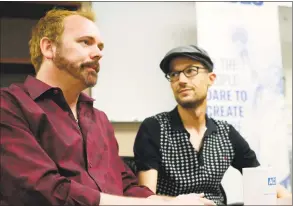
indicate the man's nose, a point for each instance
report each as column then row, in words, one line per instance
column 182, row 78
column 96, row 53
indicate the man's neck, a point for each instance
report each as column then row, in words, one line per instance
column 193, row 118
column 70, row 87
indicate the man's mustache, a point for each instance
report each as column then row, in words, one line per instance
column 184, row 87
column 94, row 64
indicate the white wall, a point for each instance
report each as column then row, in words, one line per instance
column 137, row 35
column 285, row 17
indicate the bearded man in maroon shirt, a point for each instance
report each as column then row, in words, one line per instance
column 56, row 149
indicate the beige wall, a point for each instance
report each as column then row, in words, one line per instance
column 125, row 135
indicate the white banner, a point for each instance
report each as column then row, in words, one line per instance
column 243, row 40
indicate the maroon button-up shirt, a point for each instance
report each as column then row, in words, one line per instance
column 47, row 158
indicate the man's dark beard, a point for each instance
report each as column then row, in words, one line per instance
column 191, row 104
column 63, row 64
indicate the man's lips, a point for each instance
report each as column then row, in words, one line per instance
column 183, row 90
column 93, row 65
column 95, row 68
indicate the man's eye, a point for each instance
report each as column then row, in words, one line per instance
column 86, row 42
column 173, row 74
column 190, row 71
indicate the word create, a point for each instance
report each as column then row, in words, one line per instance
column 225, row 111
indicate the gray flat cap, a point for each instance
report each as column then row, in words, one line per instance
column 191, row 51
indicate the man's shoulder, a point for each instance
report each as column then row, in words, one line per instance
column 16, row 104
column 156, row 119
column 13, row 88
column 101, row 115
column 100, row 112
column 160, row 116
column 220, row 123
column 13, row 93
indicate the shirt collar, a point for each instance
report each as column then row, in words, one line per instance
column 37, row 88
column 176, row 122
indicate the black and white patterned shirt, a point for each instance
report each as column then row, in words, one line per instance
column 162, row 143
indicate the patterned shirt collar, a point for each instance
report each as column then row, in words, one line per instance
column 176, row 122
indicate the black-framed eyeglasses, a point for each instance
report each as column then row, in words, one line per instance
column 189, row 71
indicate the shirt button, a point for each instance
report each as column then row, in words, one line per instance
column 56, row 91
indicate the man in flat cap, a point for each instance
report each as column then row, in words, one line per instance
column 185, row 151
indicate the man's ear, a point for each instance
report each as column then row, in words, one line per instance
column 212, row 77
column 47, row 48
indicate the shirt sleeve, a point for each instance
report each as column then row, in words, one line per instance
column 129, row 180
column 244, row 155
column 147, row 145
column 28, row 175
column 130, row 185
